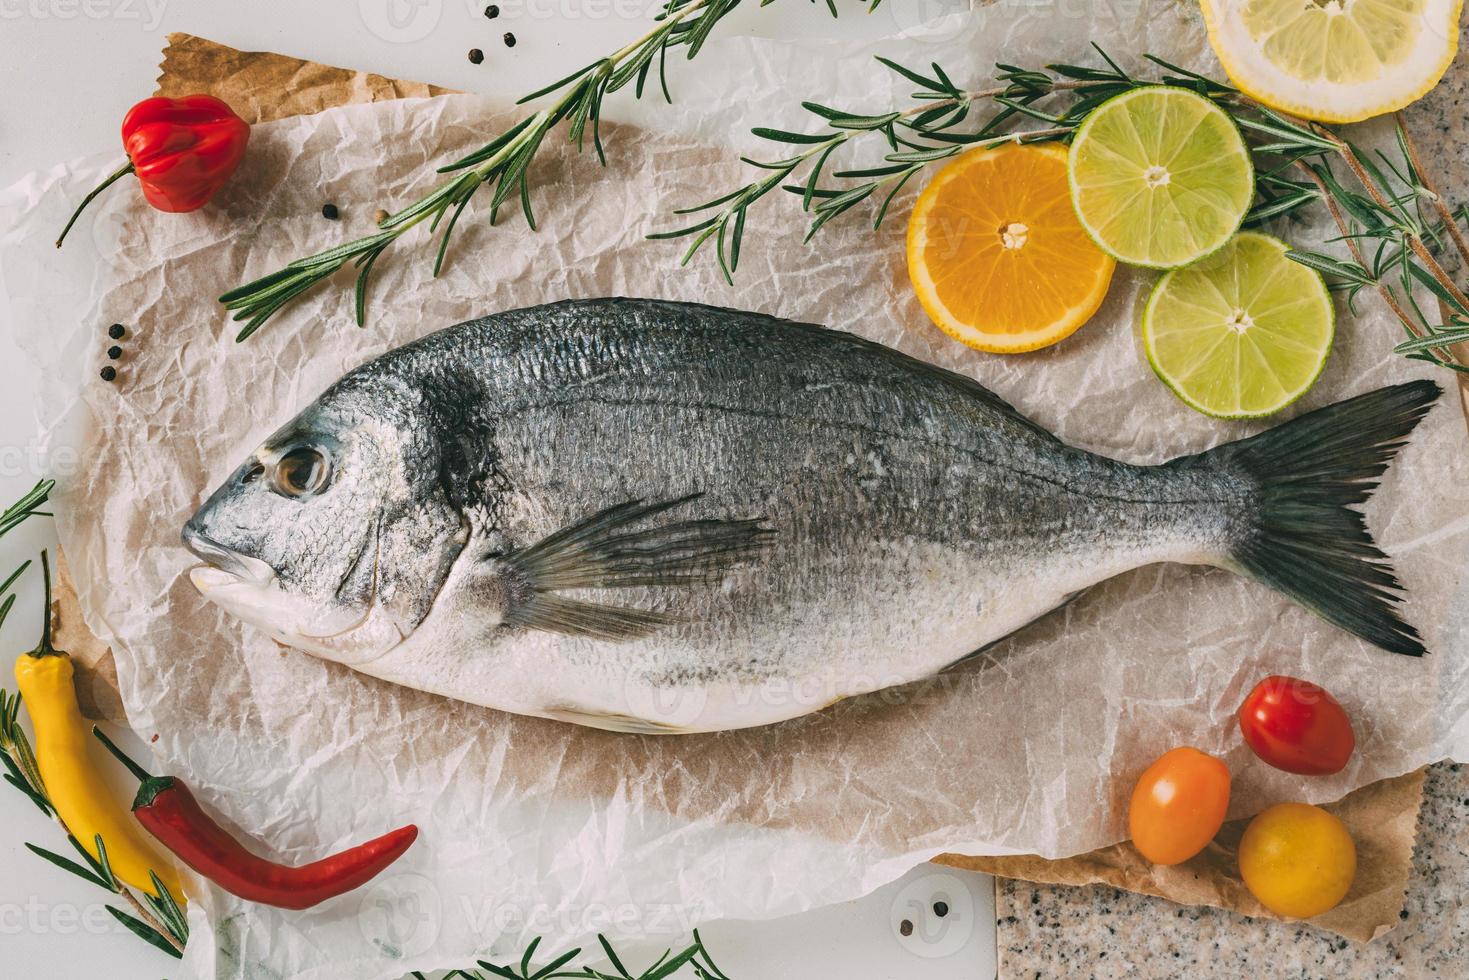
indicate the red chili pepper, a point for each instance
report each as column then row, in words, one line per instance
column 171, row 813
column 183, row 151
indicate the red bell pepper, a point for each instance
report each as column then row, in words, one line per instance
column 166, row 808
column 183, row 151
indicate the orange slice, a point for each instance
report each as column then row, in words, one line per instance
column 996, row 253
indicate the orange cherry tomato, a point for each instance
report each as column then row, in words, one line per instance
column 1296, row 726
column 1178, row 805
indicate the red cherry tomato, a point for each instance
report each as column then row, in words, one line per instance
column 1178, row 805
column 1296, row 726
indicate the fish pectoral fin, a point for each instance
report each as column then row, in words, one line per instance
column 607, row 551
column 612, row 721
column 573, row 617
column 618, row 548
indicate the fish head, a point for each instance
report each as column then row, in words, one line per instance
column 335, row 535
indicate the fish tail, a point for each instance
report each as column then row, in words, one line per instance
column 1300, row 534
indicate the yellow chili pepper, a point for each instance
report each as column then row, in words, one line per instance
column 67, row 756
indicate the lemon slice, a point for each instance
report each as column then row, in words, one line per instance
column 996, row 255
column 1243, row 333
column 1160, row 177
column 1334, row 60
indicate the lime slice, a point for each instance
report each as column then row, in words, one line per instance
column 1160, row 177
column 1243, row 333
column 1334, row 60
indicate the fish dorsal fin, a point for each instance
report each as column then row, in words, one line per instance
column 609, row 550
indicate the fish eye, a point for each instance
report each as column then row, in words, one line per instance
column 301, row 472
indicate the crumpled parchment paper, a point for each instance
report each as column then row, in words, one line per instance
column 532, row 827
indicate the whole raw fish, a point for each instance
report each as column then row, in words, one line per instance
column 660, row 517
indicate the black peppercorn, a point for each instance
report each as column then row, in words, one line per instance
column 509, row 40
column 117, row 331
column 109, row 372
column 476, row 56
column 114, row 352
column 905, row 928
column 329, row 212
column 940, row 909
column 492, row 11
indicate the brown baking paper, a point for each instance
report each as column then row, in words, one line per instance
column 262, row 86
column 1382, row 818
column 533, row 827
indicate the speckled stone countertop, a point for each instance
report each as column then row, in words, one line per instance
column 1050, row 931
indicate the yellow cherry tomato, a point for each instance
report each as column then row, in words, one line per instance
column 1297, row 859
column 1178, row 805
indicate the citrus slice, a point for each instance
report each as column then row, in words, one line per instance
column 1243, row 333
column 1160, row 177
column 1334, row 60
column 996, row 254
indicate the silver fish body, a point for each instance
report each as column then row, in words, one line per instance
column 660, row 517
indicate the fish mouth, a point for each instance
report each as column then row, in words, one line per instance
column 251, row 590
column 222, row 559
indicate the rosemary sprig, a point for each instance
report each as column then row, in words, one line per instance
column 504, row 162
column 1394, row 227
column 27, row 506
column 694, row 956
column 945, row 121
column 22, row 772
column 157, row 918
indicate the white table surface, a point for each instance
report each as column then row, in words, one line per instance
column 69, row 70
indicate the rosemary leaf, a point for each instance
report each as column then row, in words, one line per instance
column 5, row 586
column 21, row 784
column 1331, row 266
column 550, row 968
column 66, row 864
column 612, row 956
column 1277, row 207
column 145, row 932
column 26, row 506
column 1428, row 280
column 885, row 171
column 529, row 952
column 672, row 965
column 1443, row 339
column 682, row 232
column 912, row 76
column 783, row 136
column 167, row 908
